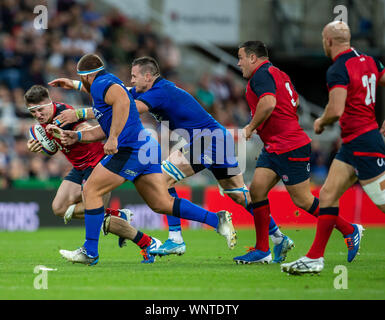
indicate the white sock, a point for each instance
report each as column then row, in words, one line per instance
column 277, row 237
column 175, row 236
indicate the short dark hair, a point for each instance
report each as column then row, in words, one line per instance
column 36, row 94
column 90, row 61
column 255, row 47
column 147, row 64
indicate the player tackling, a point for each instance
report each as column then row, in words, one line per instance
column 126, row 159
column 84, row 157
column 166, row 102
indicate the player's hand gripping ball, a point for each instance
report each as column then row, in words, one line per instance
column 49, row 146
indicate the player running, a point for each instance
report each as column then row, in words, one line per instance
column 352, row 80
column 68, row 200
column 210, row 146
column 126, row 159
column 286, row 154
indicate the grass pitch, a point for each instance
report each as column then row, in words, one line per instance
column 206, row 271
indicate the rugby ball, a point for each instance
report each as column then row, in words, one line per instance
column 49, row 146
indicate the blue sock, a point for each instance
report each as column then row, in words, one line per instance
column 93, row 220
column 187, row 210
column 173, row 222
column 272, row 226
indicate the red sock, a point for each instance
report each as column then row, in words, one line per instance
column 325, row 225
column 343, row 226
column 142, row 240
column 113, row 212
column 261, row 212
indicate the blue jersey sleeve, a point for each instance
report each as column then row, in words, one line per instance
column 153, row 98
column 337, row 75
column 262, row 83
column 100, row 89
column 134, row 94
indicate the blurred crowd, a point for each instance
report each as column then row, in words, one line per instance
column 29, row 56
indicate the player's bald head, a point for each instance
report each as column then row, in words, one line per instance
column 338, row 31
column 335, row 37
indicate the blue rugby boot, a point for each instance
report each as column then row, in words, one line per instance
column 169, row 247
column 353, row 241
column 254, row 256
column 147, row 256
column 281, row 250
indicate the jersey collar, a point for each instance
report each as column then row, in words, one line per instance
column 264, row 62
column 341, row 53
column 100, row 73
column 157, row 80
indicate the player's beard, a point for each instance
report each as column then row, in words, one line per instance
column 246, row 73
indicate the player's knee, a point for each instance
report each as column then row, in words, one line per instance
column 257, row 193
column 164, row 206
column 303, row 202
column 58, row 209
column 238, row 198
column 327, row 197
column 90, row 192
column 87, row 191
column 162, row 209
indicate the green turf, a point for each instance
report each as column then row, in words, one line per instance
column 206, row 271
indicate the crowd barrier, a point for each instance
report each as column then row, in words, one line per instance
column 31, row 209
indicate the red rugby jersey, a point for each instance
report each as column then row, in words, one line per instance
column 359, row 75
column 280, row 132
column 80, row 155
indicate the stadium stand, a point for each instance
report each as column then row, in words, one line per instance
column 29, row 56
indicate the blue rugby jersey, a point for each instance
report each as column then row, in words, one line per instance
column 167, row 102
column 103, row 112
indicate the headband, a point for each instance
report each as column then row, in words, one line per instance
column 38, row 106
column 85, row 72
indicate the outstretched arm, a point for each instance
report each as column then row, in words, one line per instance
column 86, row 134
column 67, row 84
column 71, row 116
